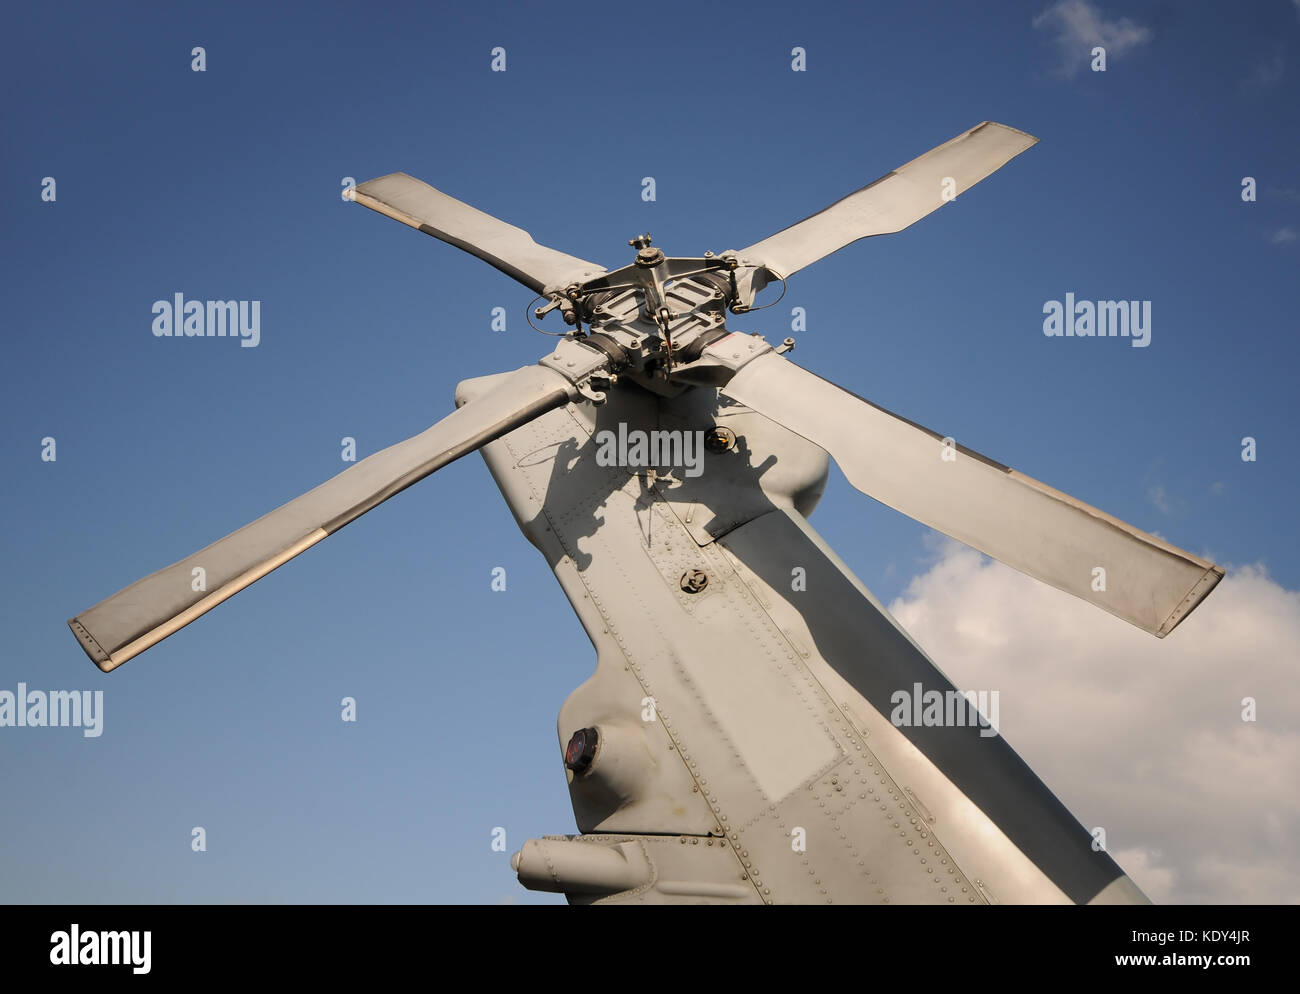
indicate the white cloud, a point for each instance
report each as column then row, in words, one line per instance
column 1160, row 498
column 1079, row 26
column 1139, row 735
column 1283, row 236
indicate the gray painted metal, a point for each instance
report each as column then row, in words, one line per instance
column 511, row 250
column 771, row 705
column 1017, row 520
column 650, row 869
column 150, row 609
column 894, row 201
column 752, row 708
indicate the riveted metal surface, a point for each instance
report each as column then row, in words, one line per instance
column 755, row 733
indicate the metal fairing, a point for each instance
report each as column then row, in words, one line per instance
column 769, row 769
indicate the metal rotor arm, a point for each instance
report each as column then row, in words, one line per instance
column 149, row 610
column 1013, row 518
column 887, row 205
column 509, row 249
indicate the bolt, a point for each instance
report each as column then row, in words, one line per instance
column 694, row 580
column 718, row 439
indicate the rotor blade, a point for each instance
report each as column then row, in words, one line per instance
column 1015, row 519
column 894, row 201
column 511, row 250
column 149, row 610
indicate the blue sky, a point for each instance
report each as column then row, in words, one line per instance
column 225, row 184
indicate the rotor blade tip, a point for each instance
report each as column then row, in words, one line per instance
column 98, row 655
column 1033, row 140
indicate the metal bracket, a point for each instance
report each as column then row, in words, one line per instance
column 747, row 279
column 722, row 359
column 648, row 274
column 583, row 366
column 593, row 388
